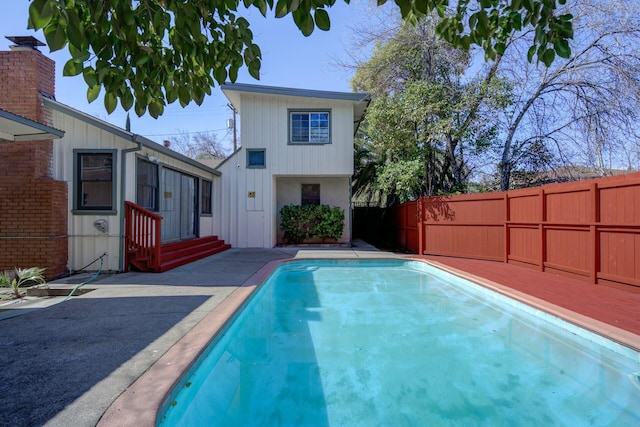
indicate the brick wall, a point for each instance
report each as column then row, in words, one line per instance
column 33, row 206
column 24, row 73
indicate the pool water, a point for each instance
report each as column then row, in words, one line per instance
column 400, row 343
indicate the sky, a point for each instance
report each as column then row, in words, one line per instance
column 289, row 59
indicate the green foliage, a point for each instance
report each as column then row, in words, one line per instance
column 311, row 222
column 365, row 167
column 494, row 21
column 428, row 123
column 401, row 178
column 33, row 275
column 147, row 54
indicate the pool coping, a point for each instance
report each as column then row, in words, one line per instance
column 613, row 333
column 140, row 404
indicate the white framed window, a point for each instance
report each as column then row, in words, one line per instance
column 309, row 127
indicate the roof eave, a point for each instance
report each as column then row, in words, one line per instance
column 18, row 128
column 126, row 135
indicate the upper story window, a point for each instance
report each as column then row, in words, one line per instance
column 147, row 188
column 309, row 127
column 95, row 180
column 205, row 200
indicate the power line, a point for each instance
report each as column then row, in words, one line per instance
column 187, row 132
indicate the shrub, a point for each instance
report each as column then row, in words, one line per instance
column 310, row 221
column 23, row 277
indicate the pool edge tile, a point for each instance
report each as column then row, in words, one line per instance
column 604, row 330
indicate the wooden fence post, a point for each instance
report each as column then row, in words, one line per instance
column 506, row 227
column 542, row 231
column 420, row 228
column 593, row 231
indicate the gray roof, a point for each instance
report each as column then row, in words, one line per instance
column 360, row 99
column 124, row 134
column 307, row 93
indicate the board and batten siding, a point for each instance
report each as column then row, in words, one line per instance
column 249, row 199
column 86, row 243
column 265, row 124
column 241, row 220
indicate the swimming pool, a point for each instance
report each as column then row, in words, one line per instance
column 394, row 342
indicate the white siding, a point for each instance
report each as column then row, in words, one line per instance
column 265, row 124
column 86, row 243
column 247, row 221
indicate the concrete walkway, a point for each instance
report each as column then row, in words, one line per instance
column 65, row 362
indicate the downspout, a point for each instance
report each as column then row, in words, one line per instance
column 351, row 210
column 123, row 180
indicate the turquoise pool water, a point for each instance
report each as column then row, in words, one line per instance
column 400, row 343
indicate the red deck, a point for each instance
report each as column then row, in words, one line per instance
column 614, row 307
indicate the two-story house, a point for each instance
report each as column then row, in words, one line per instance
column 297, row 148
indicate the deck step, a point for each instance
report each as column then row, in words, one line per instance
column 175, row 254
column 176, row 251
column 184, row 252
column 177, row 258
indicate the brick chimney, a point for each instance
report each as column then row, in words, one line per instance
column 26, row 75
column 33, row 217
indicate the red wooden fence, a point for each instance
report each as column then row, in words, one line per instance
column 587, row 229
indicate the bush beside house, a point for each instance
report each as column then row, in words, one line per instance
column 311, row 222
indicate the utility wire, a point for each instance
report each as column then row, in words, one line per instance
column 182, row 133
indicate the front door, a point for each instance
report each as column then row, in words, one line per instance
column 178, row 205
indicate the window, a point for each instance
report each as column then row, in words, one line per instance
column 310, row 194
column 309, row 127
column 147, row 185
column 206, row 197
column 256, row 158
column 95, row 180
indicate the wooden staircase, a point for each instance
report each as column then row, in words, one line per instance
column 174, row 255
column 145, row 252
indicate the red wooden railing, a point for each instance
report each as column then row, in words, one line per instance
column 142, row 237
column 588, row 230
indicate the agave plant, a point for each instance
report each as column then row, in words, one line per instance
column 22, row 277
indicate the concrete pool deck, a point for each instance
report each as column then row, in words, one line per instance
column 67, row 364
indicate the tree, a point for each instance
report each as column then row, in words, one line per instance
column 199, row 146
column 150, row 53
column 427, row 117
column 583, row 109
column 365, row 168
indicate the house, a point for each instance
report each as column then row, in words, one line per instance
column 79, row 193
column 297, row 148
column 76, row 190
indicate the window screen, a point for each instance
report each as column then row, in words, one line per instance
column 95, row 183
